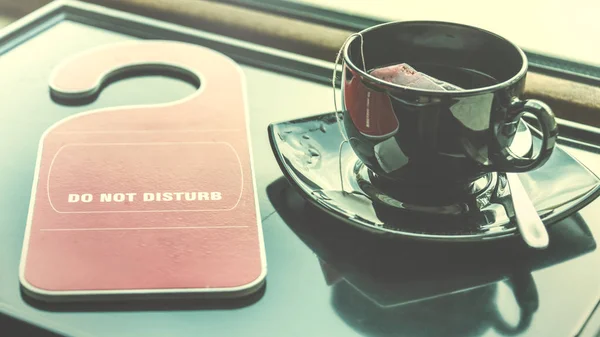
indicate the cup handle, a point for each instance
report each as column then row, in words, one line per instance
column 506, row 161
column 526, row 295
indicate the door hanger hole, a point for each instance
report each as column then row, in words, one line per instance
column 139, row 81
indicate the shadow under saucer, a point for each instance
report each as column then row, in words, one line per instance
column 385, row 285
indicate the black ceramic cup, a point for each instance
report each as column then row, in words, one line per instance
column 420, row 136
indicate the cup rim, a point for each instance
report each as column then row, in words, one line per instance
column 514, row 79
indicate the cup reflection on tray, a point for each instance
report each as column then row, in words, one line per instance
column 384, row 286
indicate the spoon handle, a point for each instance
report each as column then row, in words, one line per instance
column 530, row 225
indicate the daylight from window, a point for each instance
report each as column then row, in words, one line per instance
column 564, row 29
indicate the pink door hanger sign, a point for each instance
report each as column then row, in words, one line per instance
column 151, row 199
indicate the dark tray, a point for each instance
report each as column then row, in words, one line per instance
column 324, row 279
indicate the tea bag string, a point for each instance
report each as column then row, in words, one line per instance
column 336, row 112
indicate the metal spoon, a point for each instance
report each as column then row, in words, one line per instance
column 530, row 225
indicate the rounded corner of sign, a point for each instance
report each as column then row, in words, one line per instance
column 254, row 285
column 238, row 67
column 36, row 292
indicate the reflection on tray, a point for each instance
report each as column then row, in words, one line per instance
column 383, row 284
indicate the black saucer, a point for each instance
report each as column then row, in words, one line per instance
column 308, row 152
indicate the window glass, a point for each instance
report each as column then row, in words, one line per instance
column 564, row 29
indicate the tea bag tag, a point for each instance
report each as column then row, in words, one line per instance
column 147, row 200
column 373, row 115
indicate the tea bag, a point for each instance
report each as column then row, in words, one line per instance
column 465, row 109
column 404, row 74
